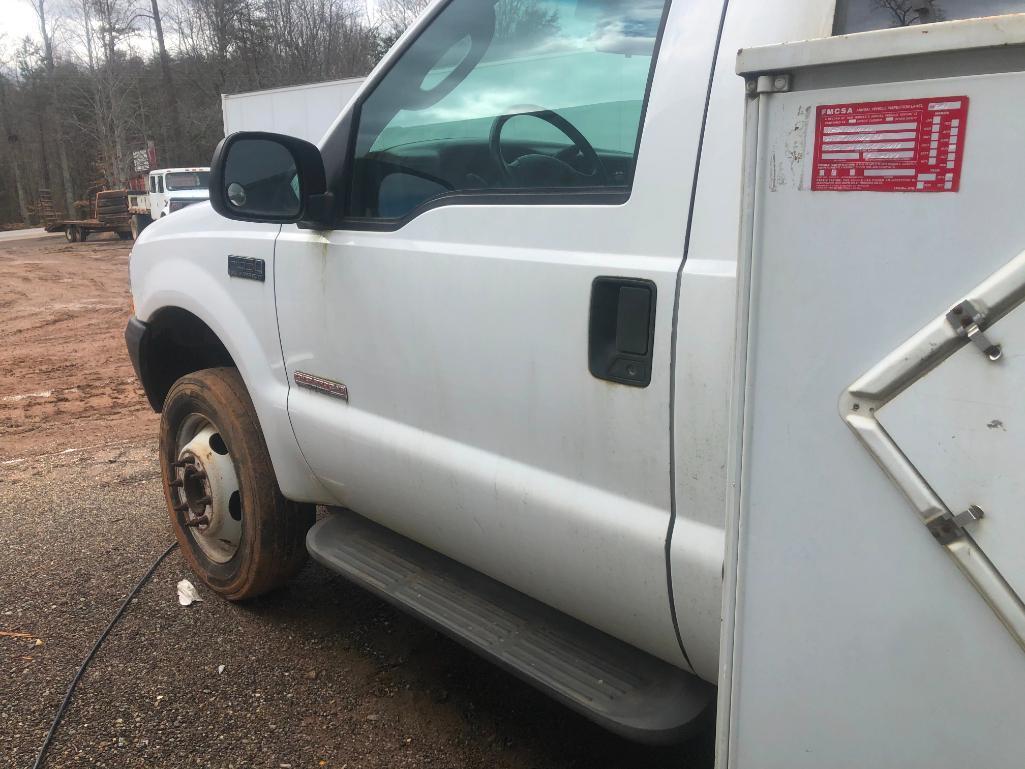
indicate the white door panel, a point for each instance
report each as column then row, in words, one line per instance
column 473, row 424
column 487, row 349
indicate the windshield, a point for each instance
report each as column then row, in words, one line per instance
column 188, row 180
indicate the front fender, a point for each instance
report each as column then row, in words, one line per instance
column 182, row 263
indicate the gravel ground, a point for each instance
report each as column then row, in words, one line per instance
column 320, row 674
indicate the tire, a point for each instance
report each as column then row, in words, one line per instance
column 71, row 233
column 139, row 222
column 83, row 235
column 208, row 422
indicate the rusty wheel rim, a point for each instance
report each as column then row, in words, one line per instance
column 204, row 489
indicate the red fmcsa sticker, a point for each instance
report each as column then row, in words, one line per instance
column 915, row 145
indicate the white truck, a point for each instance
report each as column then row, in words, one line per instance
column 642, row 379
column 167, row 190
column 305, row 111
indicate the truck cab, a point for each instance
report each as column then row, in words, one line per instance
column 172, row 189
column 491, row 321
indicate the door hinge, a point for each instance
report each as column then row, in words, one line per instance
column 970, row 322
column 950, row 527
column 776, row 83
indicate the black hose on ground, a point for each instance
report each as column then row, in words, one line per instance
column 92, row 653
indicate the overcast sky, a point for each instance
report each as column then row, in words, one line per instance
column 18, row 21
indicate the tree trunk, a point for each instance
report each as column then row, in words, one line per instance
column 62, row 158
column 172, row 152
column 19, row 185
column 12, row 150
column 44, row 153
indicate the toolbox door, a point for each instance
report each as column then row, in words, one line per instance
column 871, row 619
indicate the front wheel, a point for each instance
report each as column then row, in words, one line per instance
column 237, row 532
column 71, row 233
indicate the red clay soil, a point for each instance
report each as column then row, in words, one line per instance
column 65, row 378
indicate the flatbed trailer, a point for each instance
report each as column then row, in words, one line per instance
column 76, row 230
column 110, row 214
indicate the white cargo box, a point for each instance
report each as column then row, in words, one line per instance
column 305, row 111
column 876, row 546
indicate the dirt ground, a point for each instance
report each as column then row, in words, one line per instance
column 319, row 674
column 65, row 380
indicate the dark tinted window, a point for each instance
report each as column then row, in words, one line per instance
column 865, row 15
column 188, row 180
column 518, row 94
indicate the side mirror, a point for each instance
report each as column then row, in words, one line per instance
column 265, row 177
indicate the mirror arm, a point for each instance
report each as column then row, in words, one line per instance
column 319, row 213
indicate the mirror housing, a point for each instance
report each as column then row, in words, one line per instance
column 257, row 176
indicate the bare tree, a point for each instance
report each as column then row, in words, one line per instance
column 93, row 93
column 170, row 98
column 395, row 15
column 54, row 113
column 116, row 21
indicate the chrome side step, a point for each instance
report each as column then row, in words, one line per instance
column 613, row 684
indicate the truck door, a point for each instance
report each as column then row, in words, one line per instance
column 480, row 358
column 157, row 195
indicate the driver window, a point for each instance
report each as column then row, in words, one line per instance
column 535, row 95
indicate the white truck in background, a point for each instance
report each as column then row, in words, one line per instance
column 665, row 389
column 167, row 190
column 305, row 111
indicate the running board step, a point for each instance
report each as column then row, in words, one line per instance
column 613, row 684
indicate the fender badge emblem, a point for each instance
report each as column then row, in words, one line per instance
column 321, row 385
column 246, row 267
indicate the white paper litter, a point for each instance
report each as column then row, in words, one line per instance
column 187, row 593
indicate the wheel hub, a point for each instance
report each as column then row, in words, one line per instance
column 195, row 486
column 205, row 490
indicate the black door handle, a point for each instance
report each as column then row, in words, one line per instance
column 622, row 330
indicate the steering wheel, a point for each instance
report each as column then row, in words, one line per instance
column 536, row 170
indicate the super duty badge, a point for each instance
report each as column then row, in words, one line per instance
column 247, row 267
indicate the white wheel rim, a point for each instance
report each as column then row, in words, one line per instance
column 205, row 489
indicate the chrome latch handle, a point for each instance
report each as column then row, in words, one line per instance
column 969, row 322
